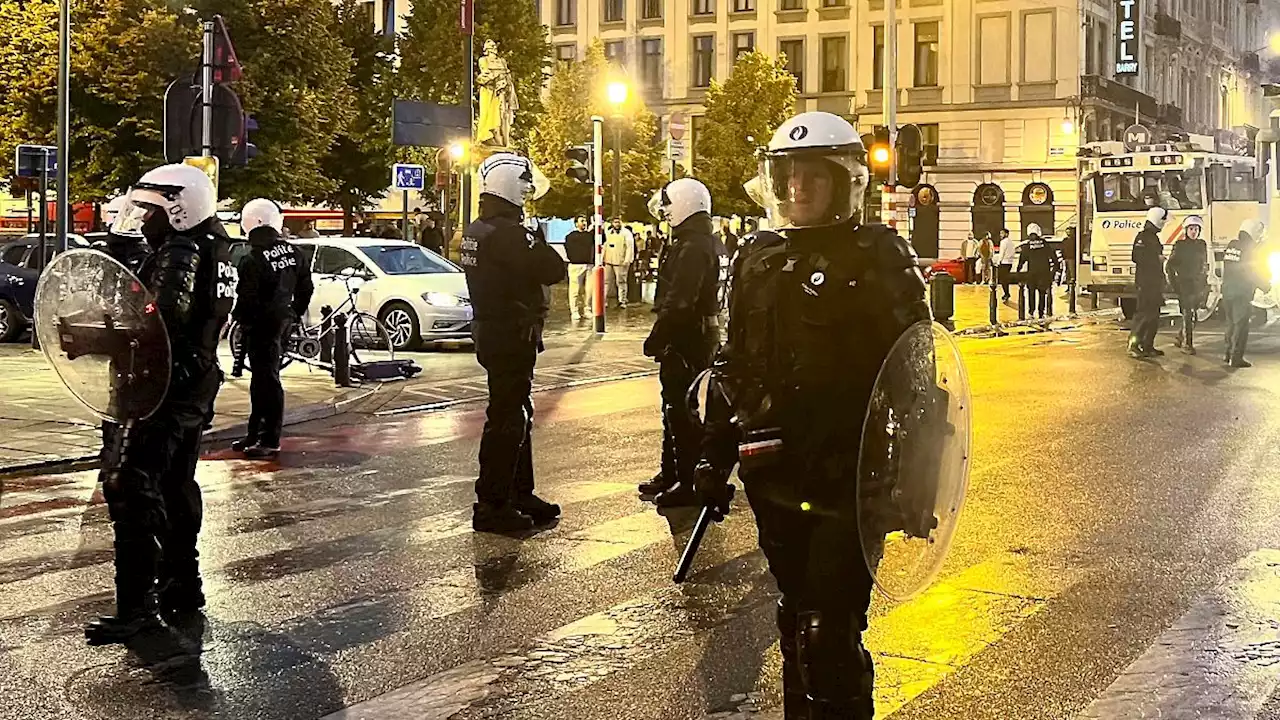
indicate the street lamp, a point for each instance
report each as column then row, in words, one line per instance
column 1273, row 42
column 617, row 93
column 458, row 151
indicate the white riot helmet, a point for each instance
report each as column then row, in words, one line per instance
column 1158, row 216
column 184, row 193
column 814, row 172
column 261, row 212
column 513, row 178
column 680, row 200
column 1033, row 230
column 1252, row 228
column 1193, row 221
column 123, row 222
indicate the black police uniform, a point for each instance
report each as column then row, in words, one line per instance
column 509, row 269
column 274, row 290
column 130, row 251
column 151, row 492
column 1241, row 276
column 1040, row 261
column 683, row 339
column 1148, row 262
column 1188, row 271
column 812, row 319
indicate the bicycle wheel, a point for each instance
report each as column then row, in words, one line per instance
column 235, row 338
column 370, row 341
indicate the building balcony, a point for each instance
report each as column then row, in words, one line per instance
column 1168, row 26
column 1169, row 114
column 1121, row 97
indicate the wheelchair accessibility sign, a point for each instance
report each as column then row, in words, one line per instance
column 408, row 177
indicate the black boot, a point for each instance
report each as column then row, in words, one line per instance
column 135, row 562
column 681, row 495
column 182, row 597
column 499, row 519
column 795, row 703
column 539, row 510
column 658, row 484
column 243, row 444
column 838, row 673
column 262, row 452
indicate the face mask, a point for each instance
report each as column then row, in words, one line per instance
column 156, row 228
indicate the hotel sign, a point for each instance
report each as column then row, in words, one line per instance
column 1128, row 36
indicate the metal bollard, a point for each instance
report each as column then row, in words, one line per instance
column 992, row 305
column 1022, row 300
column 341, row 352
column 326, row 337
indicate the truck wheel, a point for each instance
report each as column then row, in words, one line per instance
column 1128, row 307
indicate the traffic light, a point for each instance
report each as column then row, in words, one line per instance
column 208, row 164
column 878, row 153
column 910, row 155
column 579, row 170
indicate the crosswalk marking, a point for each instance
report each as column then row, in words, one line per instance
column 1220, row 660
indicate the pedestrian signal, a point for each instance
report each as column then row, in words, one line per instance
column 579, row 164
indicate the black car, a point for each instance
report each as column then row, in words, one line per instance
column 19, row 260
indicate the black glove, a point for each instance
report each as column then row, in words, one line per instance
column 713, row 488
column 654, row 347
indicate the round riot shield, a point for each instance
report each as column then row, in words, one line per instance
column 99, row 329
column 913, row 467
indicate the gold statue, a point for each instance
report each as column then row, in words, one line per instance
column 498, row 103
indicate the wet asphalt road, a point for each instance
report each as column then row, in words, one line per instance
column 1113, row 562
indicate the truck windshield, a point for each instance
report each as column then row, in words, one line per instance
column 1233, row 183
column 1134, row 191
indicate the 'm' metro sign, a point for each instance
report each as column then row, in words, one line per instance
column 1128, row 15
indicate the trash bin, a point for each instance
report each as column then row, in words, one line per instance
column 942, row 297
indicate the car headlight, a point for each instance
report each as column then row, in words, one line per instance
column 440, row 299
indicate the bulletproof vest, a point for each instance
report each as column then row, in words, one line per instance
column 495, row 294
column 280, row 262
column 679, row 251
column 807, row 337
column 213, row 295
column 1039, row 257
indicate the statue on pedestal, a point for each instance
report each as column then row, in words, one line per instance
column 498, row 103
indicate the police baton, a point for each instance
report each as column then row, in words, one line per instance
column 710, row 513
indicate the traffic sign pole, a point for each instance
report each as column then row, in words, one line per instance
column 404, row 215
column 206, row 92
column 597, row 194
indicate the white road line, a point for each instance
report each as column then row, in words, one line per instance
column 1220, row 660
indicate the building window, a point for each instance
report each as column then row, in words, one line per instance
column 704, row 60
column 835, row 63
column 704, row 7
column 566, row 12
column 993, row 50
column 615, row 53
column 699, row 125
column 651, row 64
column 926, row 70
column 834, row 3
column 790, row 4
column 793, row 51
column 566, row 53
column 929, row 136
column 1038, row 36
column 613, row 10
column 877, row 57
column 744, row 5
column 650, row 9
column 367, row 9
column 743, row 42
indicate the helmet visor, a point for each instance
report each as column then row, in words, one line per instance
column 133, row 212
column 541, row 185
column 813, row 188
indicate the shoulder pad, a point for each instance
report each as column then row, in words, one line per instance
column 891, row 249
column 762, row 238
column 180, row 243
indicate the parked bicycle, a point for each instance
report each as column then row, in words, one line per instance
column 367, row 338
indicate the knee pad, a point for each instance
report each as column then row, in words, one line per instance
column 837, row 670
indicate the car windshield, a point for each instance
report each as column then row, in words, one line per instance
column 407, row 260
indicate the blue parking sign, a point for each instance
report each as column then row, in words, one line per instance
column 408, row 177
column 27, row 160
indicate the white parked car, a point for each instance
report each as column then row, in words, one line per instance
column 419, row 296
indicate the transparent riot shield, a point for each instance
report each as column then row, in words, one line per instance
column 99, row 328
column 913, row 468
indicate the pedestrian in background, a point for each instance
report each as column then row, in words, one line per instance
column 1242, row 275
column 619, row 251
column 308, row 231
column 580, row 249
column 429, row 235
column 1188, row 271
column 985, row 253
column 1148, row 271
column 727, row 237
column 969, row 252
column 1008, row 253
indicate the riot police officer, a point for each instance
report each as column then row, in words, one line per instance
column 685, row 333
column 1148, row 271
column 151, row 492
column 509, row 270
column 1040, row 265
column 274, row 290
column 1241, row 276
column 813, row 314
column 1188, row 270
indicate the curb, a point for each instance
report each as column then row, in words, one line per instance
column 299, row 414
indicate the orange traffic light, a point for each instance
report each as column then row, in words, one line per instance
column 880, row 154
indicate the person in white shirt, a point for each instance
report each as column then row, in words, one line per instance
column 619, row 251
column 969, row 253
column 1008, row 253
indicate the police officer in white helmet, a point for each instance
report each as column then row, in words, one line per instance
column 1242, row 275
column 1188, row 271
column 151, row 492
column 273, row 293
column 685, row 334
column 814, row 311
column 1148, row 272
column 509, row 270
